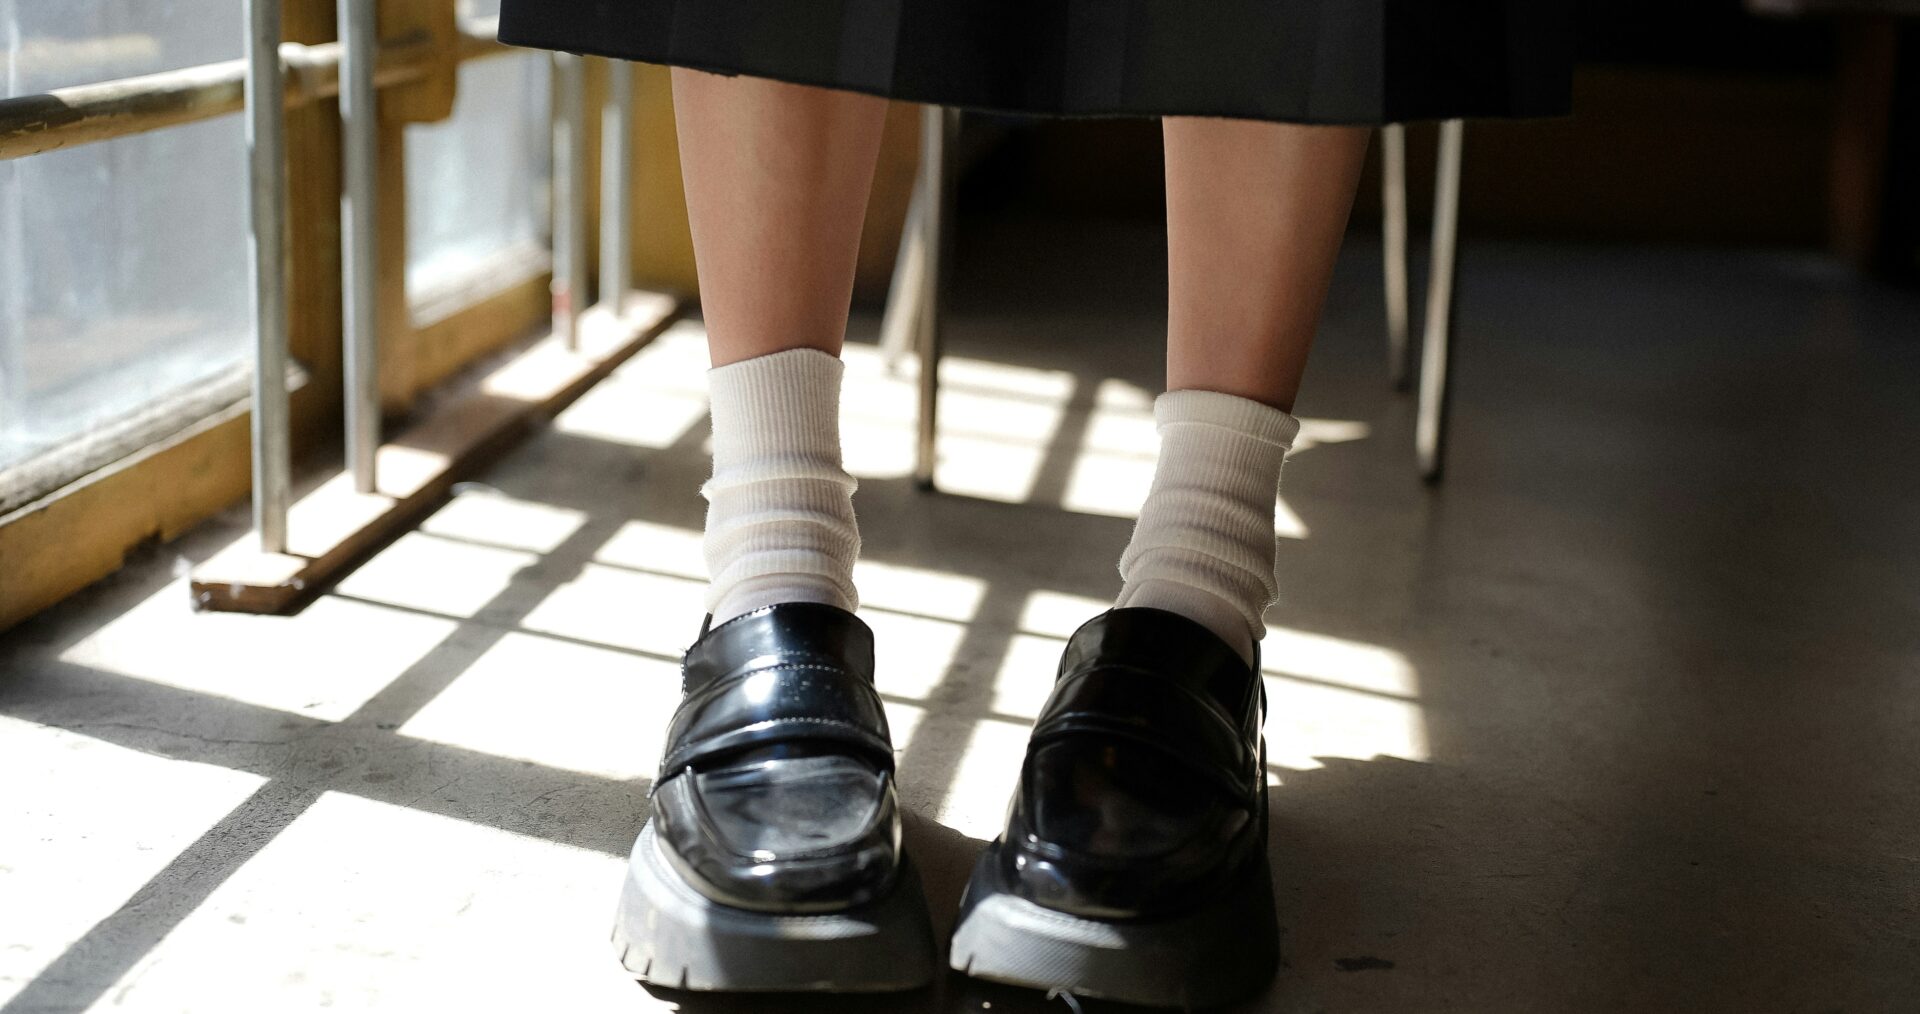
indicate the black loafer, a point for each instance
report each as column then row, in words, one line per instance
column 1134, row 862
column 773, row 860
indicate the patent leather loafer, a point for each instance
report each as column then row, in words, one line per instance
column 776, row 791
column 1140, row 819
column 773, row 859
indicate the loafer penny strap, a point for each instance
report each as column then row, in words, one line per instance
column 780, row 702
column 1155, row 712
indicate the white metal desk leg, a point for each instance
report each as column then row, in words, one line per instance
column 1430, row 429
column 616, row 169
column 901, row 321
column 936, row 128
column 569, row 197
column 360, row 352
column 1393, row 229
column 267, row 219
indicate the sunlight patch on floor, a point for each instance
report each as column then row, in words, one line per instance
column 324, row 663
column 637, row 418
column 1307, row 722
column 1058, row 615
column 1114, row 466
column 559, row 705
column 1287, row 652
column 652, row 400
column 480, row 514
column 662, row 549
column 988, row 469
column 86, row 825
column 912, row 653
column 1026, row 674
column 1333, row 697
column 919, row 591
column 997, row 422
column 968, row 772
column 362, row 905
column 438, row 575
column 621, row 608
column 1317, row 432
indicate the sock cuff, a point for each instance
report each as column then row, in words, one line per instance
column 1241, row 415
column 780, row 522
column 783, row 403
column 770, row 364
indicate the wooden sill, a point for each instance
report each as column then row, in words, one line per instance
column 65, row 541
column 332, row 528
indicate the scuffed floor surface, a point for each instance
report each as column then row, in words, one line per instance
column 1623, row 717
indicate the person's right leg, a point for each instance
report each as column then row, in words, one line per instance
column 777, row 177
column 772, row 860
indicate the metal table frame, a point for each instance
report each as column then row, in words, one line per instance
column 912, row 318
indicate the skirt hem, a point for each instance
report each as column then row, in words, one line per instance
column 1336, row 70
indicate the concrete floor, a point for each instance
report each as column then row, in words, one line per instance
column 1622, row 717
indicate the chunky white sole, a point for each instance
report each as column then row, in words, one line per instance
column 670, row 935
column 1224, row 951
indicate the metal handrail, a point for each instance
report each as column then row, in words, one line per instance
column 300, row 74
column 85, row 114
column 267, row 236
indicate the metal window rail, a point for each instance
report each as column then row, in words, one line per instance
column 352, row 69
column 84, row 114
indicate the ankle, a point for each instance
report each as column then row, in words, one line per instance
column 1204, row 545
column 745, row 596
column 1209, row 610
column 780, row 522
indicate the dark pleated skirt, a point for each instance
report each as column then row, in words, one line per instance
column 1301, row 61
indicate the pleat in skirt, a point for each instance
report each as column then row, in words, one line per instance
column 1298, row 61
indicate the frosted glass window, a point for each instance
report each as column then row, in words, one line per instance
column 122, row 264
column 477, row 182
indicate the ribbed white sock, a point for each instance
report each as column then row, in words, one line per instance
column 780, row 525
column 1204, row 545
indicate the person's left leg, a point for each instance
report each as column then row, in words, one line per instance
column 1140, row 816
column 1255, row 214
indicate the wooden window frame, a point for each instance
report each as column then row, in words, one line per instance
column 71, row 536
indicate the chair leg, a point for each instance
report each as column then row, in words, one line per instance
column 901, row 321
column 937, row 126
column 1430, row 428
column 1393, row 227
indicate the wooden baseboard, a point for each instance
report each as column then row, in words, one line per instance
column 334, row 527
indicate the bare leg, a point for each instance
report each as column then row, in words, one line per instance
column 752, row 805
column 1255, row 212
column 1254, row 217
column 777, row 177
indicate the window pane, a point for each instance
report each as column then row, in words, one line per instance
column 47, row 44
column 477, row 183
column 122, row 264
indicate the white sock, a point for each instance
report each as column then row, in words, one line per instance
column 1204, row 545
column 780, row 525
